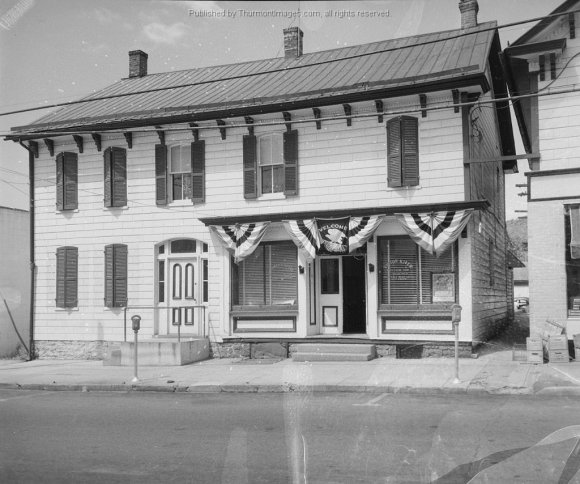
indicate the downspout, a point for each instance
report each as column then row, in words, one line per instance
column 31, row 351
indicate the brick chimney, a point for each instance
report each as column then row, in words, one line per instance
column 468, row 9
column 137, row 63
column 293, row 42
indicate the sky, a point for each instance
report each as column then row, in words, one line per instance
column 59, row 50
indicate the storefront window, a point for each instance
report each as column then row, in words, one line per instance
column 410, row 275
column 268, row 277
column 572, row 268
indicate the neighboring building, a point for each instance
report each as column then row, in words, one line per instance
column 266, row 201
column 521, row 282
column 544, row 66
column 14, row 282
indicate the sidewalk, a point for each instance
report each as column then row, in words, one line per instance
column 494, row 373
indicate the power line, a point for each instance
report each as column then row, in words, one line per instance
column 288, row 68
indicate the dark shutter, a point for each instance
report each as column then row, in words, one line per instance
column 67, row 277
column 291, row 162
column 120, row 298
column 70, row 173
column 109, row 273
column 119, row 177
column 108, row 156
column 394, row 174
column 60, row 181
column 410, row 150
column 198, row 171
column 250, row 167
column 161, row 174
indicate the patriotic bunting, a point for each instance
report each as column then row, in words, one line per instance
column 243, row 239
column 304, row 234
column 434, row 231
column 361, row 229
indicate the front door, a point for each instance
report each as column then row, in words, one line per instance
column 183, row 295
column 354, row 294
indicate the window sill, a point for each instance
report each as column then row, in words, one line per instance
column 74, row 210
column 112, row 209
column 272, row 196
column 181, row 203
column 265, row 310
column 60, row 310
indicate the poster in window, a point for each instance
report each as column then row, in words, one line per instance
column 443, row 285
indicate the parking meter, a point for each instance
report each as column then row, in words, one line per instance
column 136, row 320
column 456, row 314
column 455, row 319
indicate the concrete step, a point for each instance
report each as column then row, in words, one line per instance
column 334, row 352
column 332, row 357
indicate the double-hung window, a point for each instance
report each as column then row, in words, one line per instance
column 180, row 172
column 271, row 162
column 403, row 151
column 115, row 177
column 268, row 277
column 67, row 277
column 115, row 276
column 66, row 181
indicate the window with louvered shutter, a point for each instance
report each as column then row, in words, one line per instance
column 116, row 275
column 291, row 162
column 160, row 174
column 268, row 277
column 250, row 167
column 403, row 151
column 406, row 271
column 67, row 277
column 198, row 171
column 115, row 177
column 66, row 181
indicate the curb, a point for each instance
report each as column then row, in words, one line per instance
column 289, row 389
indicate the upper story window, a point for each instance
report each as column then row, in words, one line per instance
column 271, row 162
column 403, row 151
column 180, row 172
column 66, row 181
column 115, row 177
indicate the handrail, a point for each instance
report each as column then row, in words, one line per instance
column 126, row 308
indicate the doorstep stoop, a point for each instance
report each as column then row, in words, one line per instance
column 158, row 352
column 334, row 352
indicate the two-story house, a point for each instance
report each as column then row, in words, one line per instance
column 352, row 194
column 543, row 68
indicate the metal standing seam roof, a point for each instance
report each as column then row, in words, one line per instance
column 319, row 76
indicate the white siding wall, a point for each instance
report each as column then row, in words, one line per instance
column 339, row 168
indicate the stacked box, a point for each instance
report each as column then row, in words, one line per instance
column 534, row 347
column 558, row 349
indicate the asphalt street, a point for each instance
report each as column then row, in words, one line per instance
column 78, row 437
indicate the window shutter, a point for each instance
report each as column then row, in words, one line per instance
column 119, row 177
column 198, row 171
column 410, row 150
column 66, row 277
column 291, row 162
column 60, row 182
column 109, row 285
column 250, row 167
column 70, row 172
column 120, row 270
column 394, row 174
column 160, row 174
column 108, row 155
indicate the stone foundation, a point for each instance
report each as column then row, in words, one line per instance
column 72, row 350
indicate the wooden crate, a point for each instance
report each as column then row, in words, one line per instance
column 559, row 356
column 534, row 343
column 558, row 342
column 535, row 356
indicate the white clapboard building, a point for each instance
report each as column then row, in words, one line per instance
column 353, row 195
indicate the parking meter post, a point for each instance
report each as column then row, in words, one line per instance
column 136, row 322
column 455, row 319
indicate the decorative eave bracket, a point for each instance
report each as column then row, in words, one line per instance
column 129, row 138
column 316, row 112
column 455, row 94
column 250, row 120
column 33, row 145
column 287, row 119
column 97, row 140
column 380, row 109
column 194, row 131
column 161, row 134
column 79, row 141
column 423, row 102
column 50, row 145
column 348, row 113
column 221, row 123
